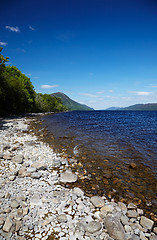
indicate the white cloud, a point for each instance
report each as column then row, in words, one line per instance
column 49, row 86
column 89, row 95
column 154, row 86
column 3, row 43
column 31, row 28
column 13, row 29
column 141, row 93
column 111, row 91
column 101, row 92
column 144, row 93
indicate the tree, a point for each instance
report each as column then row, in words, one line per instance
column 17, row 95
column 47, row 103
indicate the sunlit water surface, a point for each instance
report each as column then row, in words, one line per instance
column 106, row 142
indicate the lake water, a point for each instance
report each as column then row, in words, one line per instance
column 106, row 142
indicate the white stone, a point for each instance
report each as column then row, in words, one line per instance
column 127, row 228
column 78, row 192
column 35, row 200
column 7, row 225
column 146, row 223
column 107, row 208
column 68, row 177
column 98, row 201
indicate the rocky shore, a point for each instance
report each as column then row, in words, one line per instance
column 34, row 204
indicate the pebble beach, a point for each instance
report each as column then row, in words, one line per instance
column 35, row 205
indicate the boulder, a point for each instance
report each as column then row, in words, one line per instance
column 146, row 223
column 124, row 219
column 62, row 218
column 18, row 225
column 122, row 206
column 155, row 230
column 35, row 200
column 107, row 208
column 56, row 163
column 68, row 177
column 135, row 237
column 12, row 178
column 36, row 175
column 131, row 206
column 14, row 204
column 7, row 225
column 2, row 219
column 114, row 228
column 93, row 227
column 31, row 169
column 132, row 213
column 7, row 156
column 97, row 201
column 78, row 192
column 18, row 159
column 23, row 173
column 154, row 237
column 39, row 165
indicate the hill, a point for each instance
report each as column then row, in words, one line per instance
column 71, row 104
column 136, row 107
column 113, row 108
column 142, row 107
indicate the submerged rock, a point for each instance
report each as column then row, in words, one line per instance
column 133, row 165
column 68, row 176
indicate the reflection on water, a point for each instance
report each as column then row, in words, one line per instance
column 105, row 143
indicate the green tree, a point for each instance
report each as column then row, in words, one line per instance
column 17, row 93
column 47, row 103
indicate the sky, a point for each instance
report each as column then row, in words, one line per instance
column 101, row 53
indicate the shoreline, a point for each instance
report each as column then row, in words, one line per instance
column 35, row 205
column 130, row 181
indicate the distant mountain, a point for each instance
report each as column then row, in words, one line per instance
column 71, row 104
column 142, row 107
column 137, row 107
column 113, row 108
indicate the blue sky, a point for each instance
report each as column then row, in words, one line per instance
column 101, row 53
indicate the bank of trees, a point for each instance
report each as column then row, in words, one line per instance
column 17, row 94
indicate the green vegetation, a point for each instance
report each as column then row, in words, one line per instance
column 71, row 104
column 47, row 103
column 17, row 94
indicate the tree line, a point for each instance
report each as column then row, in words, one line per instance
column 17, row 94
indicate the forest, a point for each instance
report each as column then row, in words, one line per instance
column 17, row 94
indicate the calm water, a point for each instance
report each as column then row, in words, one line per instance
column 107, row 142
column 118, row 134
